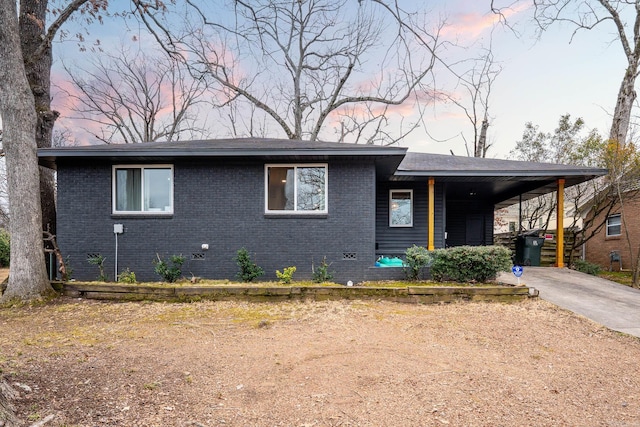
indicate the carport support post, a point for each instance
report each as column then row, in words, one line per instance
column 560, row 225
column 432, row 216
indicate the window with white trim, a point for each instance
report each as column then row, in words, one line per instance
column 614, row 225
column 400, row 208
column 143, row 189
column 296, row 188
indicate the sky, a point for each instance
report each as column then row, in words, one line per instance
column 541, row 78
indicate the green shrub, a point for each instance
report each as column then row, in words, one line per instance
column 321, row 273
column 586, row 267
column 5, row 248
column 169, row 273
column 470, row 263
column 249, row 270
column 127, row 276
column 417, row 257
column 68, row 271
column 99, row 261
column 286, row 276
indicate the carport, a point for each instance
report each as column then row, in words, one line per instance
column 471, row 189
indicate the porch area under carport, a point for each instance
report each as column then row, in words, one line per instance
column 455, row 198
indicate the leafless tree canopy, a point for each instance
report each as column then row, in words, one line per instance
column 476, row 84
column 621, row 16
column 310, row 66
column 132, row 96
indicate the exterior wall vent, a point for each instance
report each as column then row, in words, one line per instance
column 197, row 256
column 349, row 256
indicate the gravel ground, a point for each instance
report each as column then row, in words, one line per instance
column 89, row 363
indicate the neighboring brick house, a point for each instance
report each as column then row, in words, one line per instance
column 612, row 237
column 289, row 203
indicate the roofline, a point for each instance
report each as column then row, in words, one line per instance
column 221, row 152
column 512, row 173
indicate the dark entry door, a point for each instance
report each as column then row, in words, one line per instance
column 475, row 230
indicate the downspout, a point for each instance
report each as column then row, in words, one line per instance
column 560, row 225
column 431, row 225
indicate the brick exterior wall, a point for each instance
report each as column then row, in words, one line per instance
column 220, row 203
column 598, row 248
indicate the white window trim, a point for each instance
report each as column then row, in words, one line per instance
column 295, row 191
column 142, row 167
column 400, row 190
column 619, row 225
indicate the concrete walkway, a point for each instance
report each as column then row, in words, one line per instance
column 613, row 305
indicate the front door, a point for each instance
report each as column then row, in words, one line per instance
column 475, row 230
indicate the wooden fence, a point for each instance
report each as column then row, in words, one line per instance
column 548, row 252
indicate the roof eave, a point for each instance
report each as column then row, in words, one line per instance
column 493, row 173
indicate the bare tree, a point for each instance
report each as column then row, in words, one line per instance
column 27, row 278
column 622, row 17
column 27, row 120
column 301, row 62
column 476, row 85
column 135, row 96
column 36, row 38
column 588, row 204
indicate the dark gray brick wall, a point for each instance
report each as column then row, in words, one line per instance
column 220, row 204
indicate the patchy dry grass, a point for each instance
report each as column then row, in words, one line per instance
column 329, row 363
column 622, row 277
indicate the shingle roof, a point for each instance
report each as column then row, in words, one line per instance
column 500, row 180
column 447, row 165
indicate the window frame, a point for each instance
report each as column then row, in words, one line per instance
column 400, row 190
column 295, row 167
column 619, row 225
column 142, row 168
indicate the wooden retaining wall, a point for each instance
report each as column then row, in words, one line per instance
column 411, row 294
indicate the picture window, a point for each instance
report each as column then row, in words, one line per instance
column 296, row 189
column 143, row 189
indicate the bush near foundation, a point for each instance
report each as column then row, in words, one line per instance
column 586, row 267
column 470, row 263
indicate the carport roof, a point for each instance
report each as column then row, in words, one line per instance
column 499, row 181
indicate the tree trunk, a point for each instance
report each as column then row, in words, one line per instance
column 624, row 104
column 481, row 146
column 7, row 415
column 32, row 22
column 27, row 274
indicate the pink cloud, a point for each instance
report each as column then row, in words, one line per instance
column 473, row 24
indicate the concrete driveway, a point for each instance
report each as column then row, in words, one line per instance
column 613, row 305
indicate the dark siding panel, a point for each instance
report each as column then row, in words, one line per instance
column 440, row 218
column 395, row 240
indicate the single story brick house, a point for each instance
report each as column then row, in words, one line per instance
column 615, row 243
column 289, row 203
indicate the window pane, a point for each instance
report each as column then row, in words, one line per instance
column 157, row 190
column 401, row 208
column 614, row 225
column 311, row 185
column 128, row 190
column 280, row 188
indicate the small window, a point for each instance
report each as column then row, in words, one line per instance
column 401, row 208
column 614, row 224
column 143, row 189
column 296, row 189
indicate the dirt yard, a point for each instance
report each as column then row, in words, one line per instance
column 88, row 363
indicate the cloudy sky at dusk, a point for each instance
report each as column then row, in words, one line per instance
column 541, row 79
